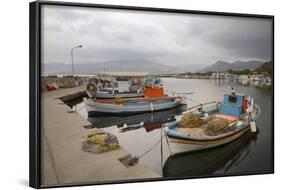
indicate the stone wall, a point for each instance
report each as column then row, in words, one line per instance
column 63, row 82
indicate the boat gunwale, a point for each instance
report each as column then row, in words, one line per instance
column 211, row 141
column 136, row 100
column 127, row 113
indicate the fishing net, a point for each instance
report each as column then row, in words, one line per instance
column 218, row 126
column 190, row 120
column 210, row 126
column 108, row 147
column 97, row 138
column 118, row 101
column 99, row 141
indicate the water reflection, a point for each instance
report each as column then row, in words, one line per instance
column 149, row 121
column 248, row 83
column 258, row 84
column 212, row 161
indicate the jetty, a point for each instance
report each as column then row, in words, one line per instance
column 62, row 159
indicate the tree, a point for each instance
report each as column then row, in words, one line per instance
column 265, row 68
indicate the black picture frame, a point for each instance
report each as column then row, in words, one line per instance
column 35, row 81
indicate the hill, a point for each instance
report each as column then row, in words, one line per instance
column 267, row 67
column 221, row 66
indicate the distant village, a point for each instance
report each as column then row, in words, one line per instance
column 242, row 78
column 261, row 76
column 225, row 75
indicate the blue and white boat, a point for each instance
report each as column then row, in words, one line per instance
column 240, row 112
column 131, row 105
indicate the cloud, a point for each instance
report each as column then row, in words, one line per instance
column 166, row 38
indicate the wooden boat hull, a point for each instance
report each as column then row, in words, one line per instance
column 208, row 162
column 178, row 146
column 101, row 108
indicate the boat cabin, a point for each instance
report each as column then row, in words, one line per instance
column 233, row 104
column 153, row 92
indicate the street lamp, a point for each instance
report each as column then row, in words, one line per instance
column 80, row 46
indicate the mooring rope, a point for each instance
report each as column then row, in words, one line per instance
column 196, row 101
column 150, row 149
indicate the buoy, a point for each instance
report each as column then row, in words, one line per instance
column 206, row 115
column 253, row 126
column 239, row 123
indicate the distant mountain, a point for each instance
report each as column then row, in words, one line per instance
column 221, row 66
column 93, row 68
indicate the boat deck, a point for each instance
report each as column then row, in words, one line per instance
column 192, row 131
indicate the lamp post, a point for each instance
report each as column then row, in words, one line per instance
column 80, row 46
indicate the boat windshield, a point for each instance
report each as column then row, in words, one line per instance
column 232, row 99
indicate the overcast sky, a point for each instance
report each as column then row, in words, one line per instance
column 166, row 38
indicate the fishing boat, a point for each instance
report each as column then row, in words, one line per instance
column 110, row 90
column 109, row 93
column 154, row 100
column 131, row 106
column 133, row 90
column 217, row 161
column 239, row 112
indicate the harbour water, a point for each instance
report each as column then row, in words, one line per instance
column 248, row 154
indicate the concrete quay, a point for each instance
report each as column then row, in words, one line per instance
column 62, row 159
